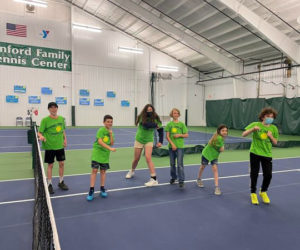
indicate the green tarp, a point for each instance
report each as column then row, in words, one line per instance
column 238, row 113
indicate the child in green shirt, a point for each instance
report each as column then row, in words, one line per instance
column 211, row 154
column 264, row 134
column 176, row 132
column 147, row 121
column 100, row 156
column 54, row 140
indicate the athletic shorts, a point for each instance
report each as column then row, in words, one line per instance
column 141, row 145
column 51, row 154
column 97, row 165
column 205, row 162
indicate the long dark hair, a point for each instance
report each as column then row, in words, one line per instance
column 213, row 139
column 142, row 117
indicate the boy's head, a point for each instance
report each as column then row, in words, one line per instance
column 267, row 114
column 108, row 121
column 52, row 107
column 175, row 113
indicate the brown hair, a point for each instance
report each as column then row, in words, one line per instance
column 213, row 139
column 106, row 117
column 267, row 111
column 174, row 109
column 142, row 117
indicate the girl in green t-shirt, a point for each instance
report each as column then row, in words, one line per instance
column 211, row 154
column 147, row 121
column 264, row 134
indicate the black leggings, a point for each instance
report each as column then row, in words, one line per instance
column 266, row 163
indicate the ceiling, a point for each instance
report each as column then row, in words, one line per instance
column 204, row 34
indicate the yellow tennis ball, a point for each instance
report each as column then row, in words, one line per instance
column 58, row 128
column 105, row 139
column 263, row 136
column 174, row 130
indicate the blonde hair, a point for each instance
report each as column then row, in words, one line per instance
column 174, row 109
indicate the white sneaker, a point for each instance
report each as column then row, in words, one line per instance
column 200, row 183
column 130, row 174
column 151, row 183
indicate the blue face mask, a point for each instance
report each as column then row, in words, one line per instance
column 269, row 120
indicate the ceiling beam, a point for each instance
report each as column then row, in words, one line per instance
column 278, row 38
column 220, row 59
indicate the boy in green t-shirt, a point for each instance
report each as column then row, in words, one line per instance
column 54, row 140
column 264, row 135
column 211, row 154
column 100, row 156
column 176, row 132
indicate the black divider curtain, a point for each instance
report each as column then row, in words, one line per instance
column 238, row 113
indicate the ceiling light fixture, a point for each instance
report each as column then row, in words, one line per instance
column 85, row 27
column 167, row 68
column 131, row 50
column 34, row 2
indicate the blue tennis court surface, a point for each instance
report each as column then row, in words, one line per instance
column 164, row 217
column 16, row 140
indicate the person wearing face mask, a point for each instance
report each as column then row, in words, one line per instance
column 147, row 121
column 264, row 135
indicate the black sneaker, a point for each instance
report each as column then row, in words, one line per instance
column 172, row 181
column 181, row 184
column 63, row 186
column 50, row 189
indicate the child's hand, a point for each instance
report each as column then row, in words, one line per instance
column 42, row 138
column 269, row 134
column 256, row 128
column 110, row 131
column 176, row 135
column 158, row 145
column 113, row 149
column 174, row 148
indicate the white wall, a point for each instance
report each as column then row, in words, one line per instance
column 57, row 21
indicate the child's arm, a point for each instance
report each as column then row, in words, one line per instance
column 160, row 136
column 111, row 138
column 222, row 149
column 65, row 139
column 249, row 131
column 170, row 141
column 273, row 140
column 181, row 135
column 105, row 145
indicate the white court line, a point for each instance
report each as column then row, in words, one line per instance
column 126, row 170
column 142, row 187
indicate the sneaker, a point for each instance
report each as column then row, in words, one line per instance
column 130, row 174
column 264, row 197
column 63, row 186
column 103, row 194
column 181, row 184
column 172, row 181
column 254, row 199
column 218, row 191
column 151, row 183
column 90, row 196
column 50, row 189
column 200, row 183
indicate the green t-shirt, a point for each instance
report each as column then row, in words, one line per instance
column 99, row 153
column 176, row 128
column 212, row 152
column 53, row 131
column 144, row 135
column 261, row 143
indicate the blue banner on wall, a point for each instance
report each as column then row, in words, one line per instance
column 34, row 99
column 98, row 102
column 19, row 89
column 84, row 101
column 84, row 92
column 61, row 100
column 46, row 91
column 12, row 99
column 125, row 103
column 111, row 94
